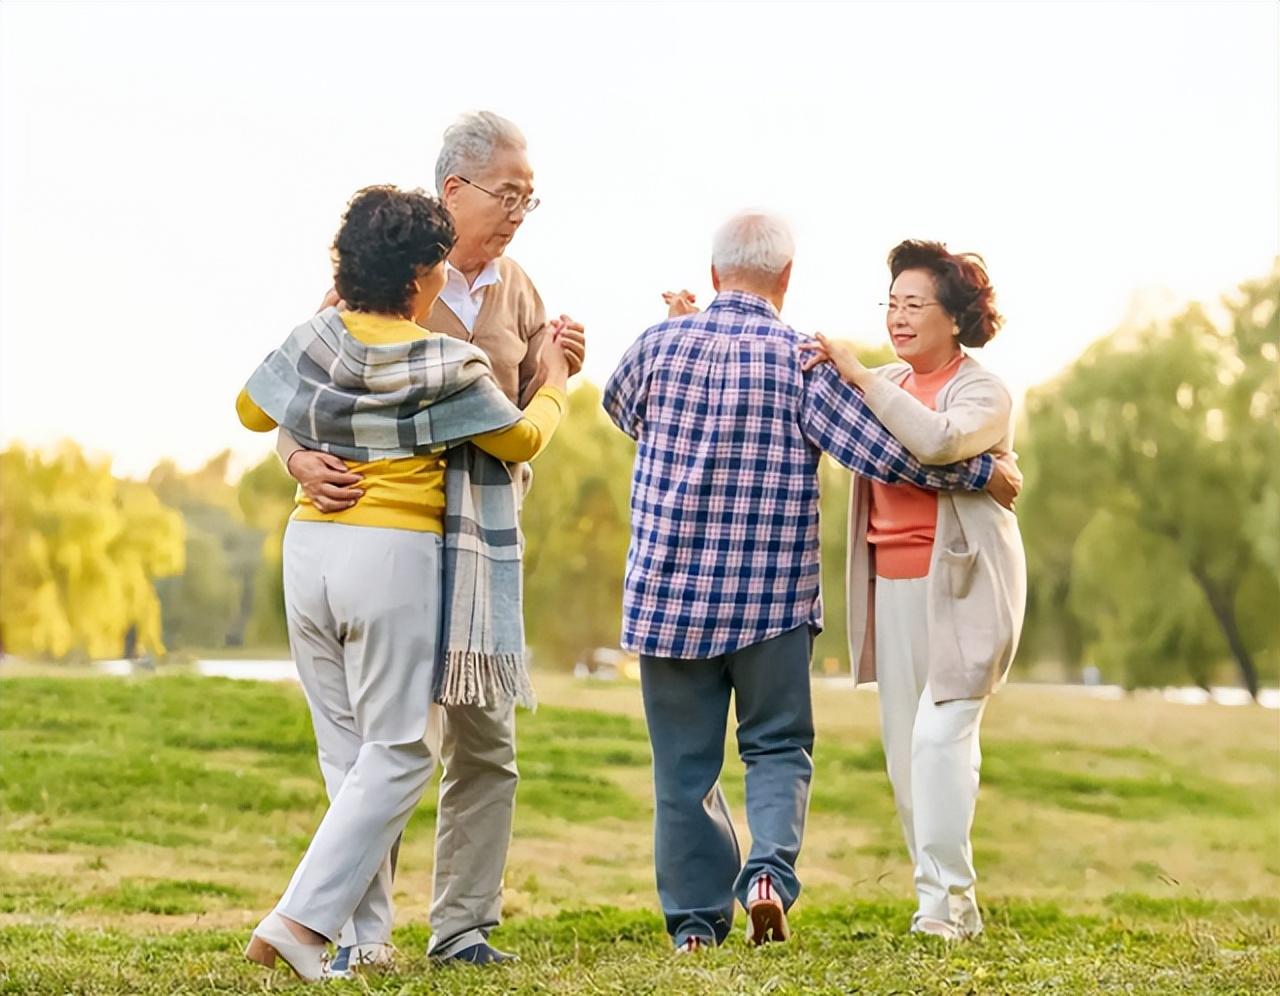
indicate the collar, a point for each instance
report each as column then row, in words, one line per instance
column 489, row 275
column 743, row 301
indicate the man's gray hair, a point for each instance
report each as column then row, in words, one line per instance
column 754, row 243
column 469, row 144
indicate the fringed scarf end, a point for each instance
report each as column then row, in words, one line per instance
column 472, row 678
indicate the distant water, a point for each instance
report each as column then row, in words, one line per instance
column 1229, row 695
column 278, row 670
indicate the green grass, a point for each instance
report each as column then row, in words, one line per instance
column 1122, row 846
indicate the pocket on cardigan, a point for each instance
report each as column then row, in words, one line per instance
column 957, row 566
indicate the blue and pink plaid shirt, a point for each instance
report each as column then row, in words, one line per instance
column 724, row 497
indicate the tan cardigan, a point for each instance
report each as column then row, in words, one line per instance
column 977, row 582
column 509, row 328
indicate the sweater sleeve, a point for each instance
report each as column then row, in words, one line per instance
column 975, row 420
column 530, row 436
column 251, row 416
column 835, row 418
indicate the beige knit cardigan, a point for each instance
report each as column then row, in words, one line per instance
column 977, row 581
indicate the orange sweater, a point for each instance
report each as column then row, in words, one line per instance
column 904, row 517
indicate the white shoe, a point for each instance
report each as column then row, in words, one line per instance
column 937, row 928
column 693, row 944
column 766, row 919
column 273, row 939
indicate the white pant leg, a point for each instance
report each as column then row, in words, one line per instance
column 902, row 669
column 945, row 758
column 316, row 648
column 933, row 756
column 376, row 592
column 473, row 823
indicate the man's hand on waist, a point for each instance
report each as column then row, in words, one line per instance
column 325, row 479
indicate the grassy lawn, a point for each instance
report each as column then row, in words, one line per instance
column 1123, row 846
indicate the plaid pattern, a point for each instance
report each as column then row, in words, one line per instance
column 361, row 402
column 483, row 657
column 724, row 497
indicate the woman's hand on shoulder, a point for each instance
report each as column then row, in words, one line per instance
column 840, row 353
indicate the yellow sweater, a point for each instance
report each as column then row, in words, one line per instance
column 408, row 492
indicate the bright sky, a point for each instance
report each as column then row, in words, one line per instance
column 173, row 174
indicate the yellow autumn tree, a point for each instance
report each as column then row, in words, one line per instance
column 79, row 551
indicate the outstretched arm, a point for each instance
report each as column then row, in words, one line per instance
column 975, row 420
column 836, row 419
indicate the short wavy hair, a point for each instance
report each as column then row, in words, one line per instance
column 963, row 287
column 387, row 236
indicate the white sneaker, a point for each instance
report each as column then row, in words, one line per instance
column 273, row 939
column 766, row 919
column 693, row 944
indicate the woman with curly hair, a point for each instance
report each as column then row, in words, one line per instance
column 936, row 580
column 390, row 602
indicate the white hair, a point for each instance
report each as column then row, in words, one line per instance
column 753, row 242
column 469, row 144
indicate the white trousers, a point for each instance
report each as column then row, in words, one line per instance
column 364, row 615
column 933, row 756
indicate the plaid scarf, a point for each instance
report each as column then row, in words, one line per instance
column 361, row 402
column 484, row 658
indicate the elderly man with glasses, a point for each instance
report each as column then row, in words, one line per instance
column 485, row 180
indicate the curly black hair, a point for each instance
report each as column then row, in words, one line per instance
column 387, row 235
column 964, row 289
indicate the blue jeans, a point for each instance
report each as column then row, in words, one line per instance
column 686, row 705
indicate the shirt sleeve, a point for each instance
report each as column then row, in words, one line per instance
column 251, row 416
column 625, row 392
column 835, row 419
column 530, row 436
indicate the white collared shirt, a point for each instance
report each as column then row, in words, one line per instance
column 463, row 300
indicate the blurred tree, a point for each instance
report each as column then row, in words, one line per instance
column 212, row 607
column 78, row 553
column 576, row 521
column 266, row 498
column 834, row 483
column 1154, row 496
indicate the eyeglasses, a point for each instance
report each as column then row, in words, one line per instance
column 908, row 308
column 510, row 201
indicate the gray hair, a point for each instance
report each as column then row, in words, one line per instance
column 469, row 144
column 753, row 242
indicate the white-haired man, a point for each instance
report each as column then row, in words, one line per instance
column 721, row 594
column 485, row 181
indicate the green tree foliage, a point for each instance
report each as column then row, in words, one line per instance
column 211, row 603
column 266, row 499
column 1154, row 499
column 576, row 520
column 833, row 642
column 79, row 550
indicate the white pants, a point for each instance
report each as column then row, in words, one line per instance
column 363, row 608
column 933, row 757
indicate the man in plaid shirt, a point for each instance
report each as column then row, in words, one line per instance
column 721, row 591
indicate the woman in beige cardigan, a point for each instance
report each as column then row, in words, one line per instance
column 936, row 581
